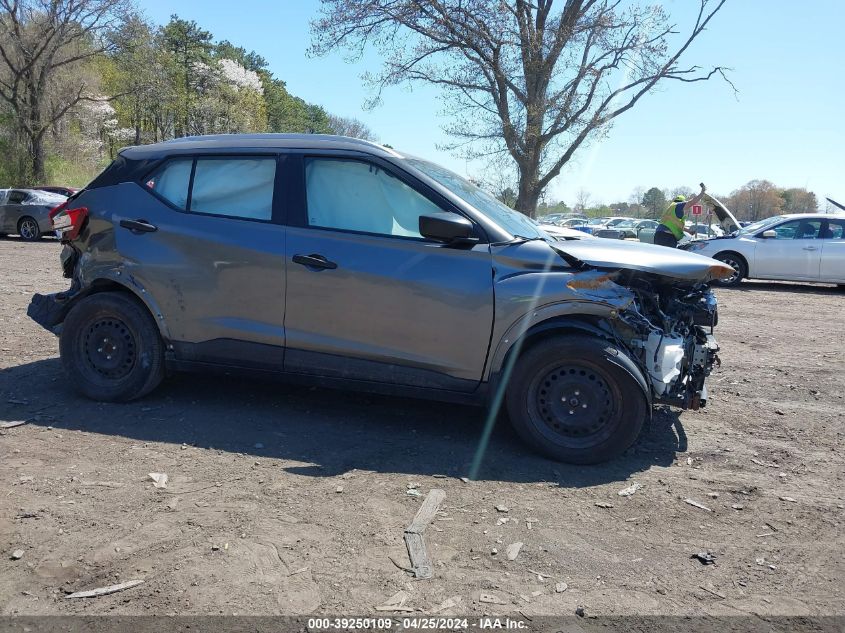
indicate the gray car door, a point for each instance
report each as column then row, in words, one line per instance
column 369, row 298
column 204, row 237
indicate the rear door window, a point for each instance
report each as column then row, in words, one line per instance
column 236, row 187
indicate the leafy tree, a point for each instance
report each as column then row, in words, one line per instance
column 799, row 200
column 42, row 42
column 654, row 201
column 521, row 78
column 191, row 48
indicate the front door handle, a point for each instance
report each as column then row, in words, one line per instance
column 138, row 226
column 314, row 261
column 810, row 248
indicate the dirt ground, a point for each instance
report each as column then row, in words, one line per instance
column 290, row 500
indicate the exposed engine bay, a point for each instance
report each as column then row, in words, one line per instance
column 667, row 325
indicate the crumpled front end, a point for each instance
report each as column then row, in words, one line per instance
column 667, row 325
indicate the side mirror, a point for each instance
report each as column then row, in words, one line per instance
column 770, row 234
column 447, row 227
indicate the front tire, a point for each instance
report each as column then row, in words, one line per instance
column 28, row 229
column 737, row 263
column 570, row 399
column 111, row 349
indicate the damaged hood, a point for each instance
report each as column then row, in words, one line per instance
column 726, row 219
column 648, row 258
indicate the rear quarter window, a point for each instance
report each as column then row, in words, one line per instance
column 172, row 181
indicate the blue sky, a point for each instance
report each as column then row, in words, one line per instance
column 786, row 125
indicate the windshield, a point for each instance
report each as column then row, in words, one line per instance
column 596, row 221
column 760, row 225
column 624, row 224
column 511, row 221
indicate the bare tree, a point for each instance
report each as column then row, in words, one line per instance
column 520, row 77
column 582, row 200
column 37, row 39
column 349, row 126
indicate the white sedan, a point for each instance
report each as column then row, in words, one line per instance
column 797, row 247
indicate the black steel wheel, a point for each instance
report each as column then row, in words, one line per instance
column 111, row 348
column 577, row 399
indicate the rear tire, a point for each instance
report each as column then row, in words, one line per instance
column 737, row 263
column 570, row 399
column 28, row 229
column 111, row 349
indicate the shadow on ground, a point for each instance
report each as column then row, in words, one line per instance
column 786, row 286
column 326, row 432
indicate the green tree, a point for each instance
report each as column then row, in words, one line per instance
column 191, row 48
column 42, row 44
column 654, row 202
column 799, row 200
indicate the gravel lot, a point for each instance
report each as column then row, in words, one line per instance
column 285, row 499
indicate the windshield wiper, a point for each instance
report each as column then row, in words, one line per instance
column 521, row 239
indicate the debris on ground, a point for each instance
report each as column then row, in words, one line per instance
column 627, row 492
column 560, row 587
column 17, row 554
column 696, row 504
column 420, row 562
column 413, row 492
column 12, row 424
column 396, row 602
column 104, row 591
column 512, row 550
column 449, row 603
column 789, row 499
column 501, row 508
column 580, row 612
column 603, row 504
column 159, row 479
column 713, row 591
column 490, row 598
column 705, row 558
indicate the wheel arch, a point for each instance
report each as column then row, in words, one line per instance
column 737, row 254
column 583, row 324
column 100, row 285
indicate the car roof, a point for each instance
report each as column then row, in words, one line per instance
column 821, row 216
column 256, row 141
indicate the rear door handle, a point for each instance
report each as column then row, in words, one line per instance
column 810, row 248
column 138, row 226
column 314, row 261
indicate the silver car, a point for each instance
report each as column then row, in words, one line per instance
column 25, row 212
column 346, row 264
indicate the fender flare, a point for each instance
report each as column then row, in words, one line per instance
column 573, row 323
column 107, row 280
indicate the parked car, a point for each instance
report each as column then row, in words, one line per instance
column 703, row 231
column 343, row 263
column 26, row 212
column 604, row 227
column 63, row 191
column 571, row 223
column 630, row 229
column 793, row 247
column 562, row 233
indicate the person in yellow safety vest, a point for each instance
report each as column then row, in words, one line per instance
column 671, row 228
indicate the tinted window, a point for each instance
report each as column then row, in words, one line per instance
column 357, row 196
column 239, row 187
column 16, row 197
column 171, row 181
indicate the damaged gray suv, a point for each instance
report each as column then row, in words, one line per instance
column 347, row 264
